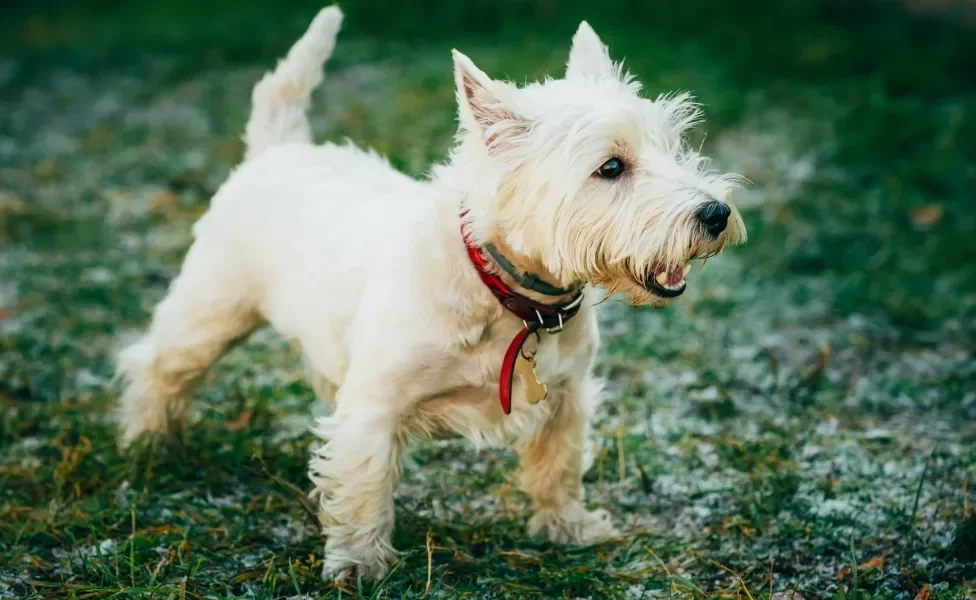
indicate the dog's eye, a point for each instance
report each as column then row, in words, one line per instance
column 611, row 169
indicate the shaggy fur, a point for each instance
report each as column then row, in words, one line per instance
column 366, row 269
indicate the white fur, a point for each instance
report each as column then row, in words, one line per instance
column 280, row 99
column 366, row 269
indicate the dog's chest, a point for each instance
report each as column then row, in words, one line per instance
column 554, row 356
column 471, row 406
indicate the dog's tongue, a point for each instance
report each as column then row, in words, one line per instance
column 675, row 277
column 670, row 277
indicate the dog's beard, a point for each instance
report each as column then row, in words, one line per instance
column 656, row 281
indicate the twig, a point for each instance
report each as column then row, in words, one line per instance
column 666, row 570
column 687, row 583
column 164, row 560
column 738, row 578
column 965, row 495
column 621, row 463
column 299, row 493
column 918, row 491
column 430, row 560
column 132, row 548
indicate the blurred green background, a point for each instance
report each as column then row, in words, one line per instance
column 883, row 93
column 808, row 406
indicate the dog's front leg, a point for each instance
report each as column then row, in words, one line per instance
column 354, row 474
column 552, row 468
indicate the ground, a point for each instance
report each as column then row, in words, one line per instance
column 803, row 420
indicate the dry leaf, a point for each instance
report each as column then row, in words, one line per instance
column 11, row 204
column 926, row 215
column 877, row 562
column 242, row 421
column 823, row 359
column 164, row 530
column 249, row 575
column 923, row 594
column 163, row 200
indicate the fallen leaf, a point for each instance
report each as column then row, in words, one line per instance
column 823, row 359
column 249, row 575
column 923, row 594
column 787, row 595
column 11, row 204
column 242, row 421
column 877, row 562
column 816, row 374
column 165, row 529
column 926, row 215
column 163, row 200
column 47, row 169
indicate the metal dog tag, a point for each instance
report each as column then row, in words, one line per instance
column 535, row 390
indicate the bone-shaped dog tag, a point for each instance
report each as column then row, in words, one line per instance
column 535, row 390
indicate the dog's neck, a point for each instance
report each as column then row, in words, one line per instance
column 525, row 265
column 468, row 187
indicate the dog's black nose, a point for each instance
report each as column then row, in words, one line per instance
column 714, row 216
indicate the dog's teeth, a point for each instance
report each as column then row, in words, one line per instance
column 686, row 268
column 662, row 278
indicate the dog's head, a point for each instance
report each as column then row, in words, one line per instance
column 589, row 179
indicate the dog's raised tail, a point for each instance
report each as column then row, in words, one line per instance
column 279, row 102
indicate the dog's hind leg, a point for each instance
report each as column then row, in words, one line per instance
column 325, row 390
column 206, row 309
column 354, row 473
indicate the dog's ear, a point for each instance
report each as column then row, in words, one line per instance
column 482, row 108
column 589, row 58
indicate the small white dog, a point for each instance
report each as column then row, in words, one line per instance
column 412, row 299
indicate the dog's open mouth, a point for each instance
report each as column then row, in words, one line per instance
column 668, row 284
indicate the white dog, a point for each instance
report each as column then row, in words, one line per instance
column 412, row 299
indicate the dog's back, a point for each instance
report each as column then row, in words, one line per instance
column 295, row 227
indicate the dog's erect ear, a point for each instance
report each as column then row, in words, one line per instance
column 589, row 58
column 482, row 108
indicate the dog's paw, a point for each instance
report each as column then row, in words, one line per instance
column 156, row 428
column 340, row 570
column 574, row 525
column 373, row 564
column 131, row 438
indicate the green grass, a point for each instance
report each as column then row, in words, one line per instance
column 804, row 414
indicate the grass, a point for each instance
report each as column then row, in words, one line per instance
column 802, row 421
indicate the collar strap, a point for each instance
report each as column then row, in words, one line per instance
column 545, row 316
column 528, row 280
column 534, row 315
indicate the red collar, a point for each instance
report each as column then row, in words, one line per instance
column 534, row 315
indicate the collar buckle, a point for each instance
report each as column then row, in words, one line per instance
column 562, row 313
